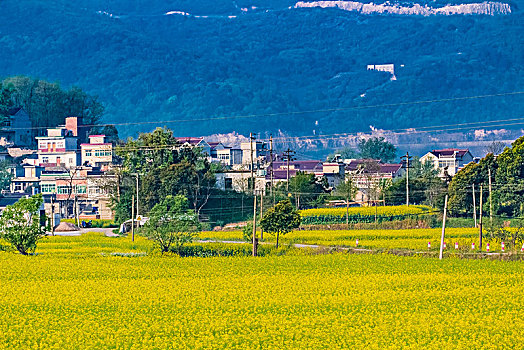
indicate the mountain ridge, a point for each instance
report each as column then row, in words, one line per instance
column 179, row 67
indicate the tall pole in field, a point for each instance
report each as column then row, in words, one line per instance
column 480, row 219
column 251, row 148
column 255, row 225
column 136, row 194
column 490, row 201
column 407, row 179
column 261, row 213
column 132, row 218
column 407, row 157
column 271, row 163
column 52, row 216
column 288, row 154
column 443, row 227
column 474, row 206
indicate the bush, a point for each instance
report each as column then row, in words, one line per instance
column 96, row 223
column 220, row 249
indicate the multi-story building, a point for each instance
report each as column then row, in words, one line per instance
column 367, row 175
column 228, row 156
column 16, row 128
column 59, row 148
column 260, row 153
column 97, row 153
column 448, row 161
column 26, row 179
column 83, row 186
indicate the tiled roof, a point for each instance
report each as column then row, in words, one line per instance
column 12, row 111
column 300, row 165
column 390, row 168
column 449, row 152
column 384, row 168
column 190, row 140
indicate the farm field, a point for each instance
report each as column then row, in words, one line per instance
column 78, row 294
column 410, row 239
column 324, row 216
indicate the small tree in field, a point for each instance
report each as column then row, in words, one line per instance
column 171, row 223
column 20, row 224
column 347, row 190
column 280, row 219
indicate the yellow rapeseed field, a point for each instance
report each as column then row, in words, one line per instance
column 76, row 293
column 409, row 239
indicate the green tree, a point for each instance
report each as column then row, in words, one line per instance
column 280, row 219
column 48, row 104
column 305, row 188
column 6, row 101
column 347, row 190
column 21, row 224
column 510, row 179
column 460, row 201
column 165, row 168
column 171, row 224
column 345, row 153
column 5, row 175
column 377, row 148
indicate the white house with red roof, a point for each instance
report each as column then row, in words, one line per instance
column 449, row 160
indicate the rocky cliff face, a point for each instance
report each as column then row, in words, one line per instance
column 484, row 8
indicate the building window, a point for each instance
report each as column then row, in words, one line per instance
column 64, row 190
column 48, row 188
column 88, row 153
column 45, row 159
column 80, row 188
column 228, row 183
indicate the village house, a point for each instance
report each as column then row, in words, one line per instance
column 260, row 154
column 26, row 179
column 60, row 147
column 225, row 155
column 97, row 153
column 369, row 174
column 448, row 161
column 82, row 186
column 16, row 128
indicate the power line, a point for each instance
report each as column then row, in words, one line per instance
column 327, row 110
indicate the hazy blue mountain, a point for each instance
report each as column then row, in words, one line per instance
column 270, row 58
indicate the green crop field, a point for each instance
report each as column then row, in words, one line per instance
column 94, row 292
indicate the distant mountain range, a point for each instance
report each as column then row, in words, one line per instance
column 270, row 61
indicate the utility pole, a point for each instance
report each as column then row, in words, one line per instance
column 133, row 218
column 490, row 202
column 251, row 138
column 480, row 219
column 407, row 157
column 255, row 240
column 52, row 216
column 443, row 227
column 76, row 211
column 289, row 157
column 474, row 206
column 271, row 164
column 136, row 195
column 261, row 214
column 253, row 188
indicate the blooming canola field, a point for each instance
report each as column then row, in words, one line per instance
column 94, row 292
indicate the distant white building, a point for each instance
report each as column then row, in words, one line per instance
column 390, row 68
column 449, row 160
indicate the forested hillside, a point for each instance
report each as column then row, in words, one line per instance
column 263, row 57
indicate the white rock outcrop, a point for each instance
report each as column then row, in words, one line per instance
column 484, row 8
